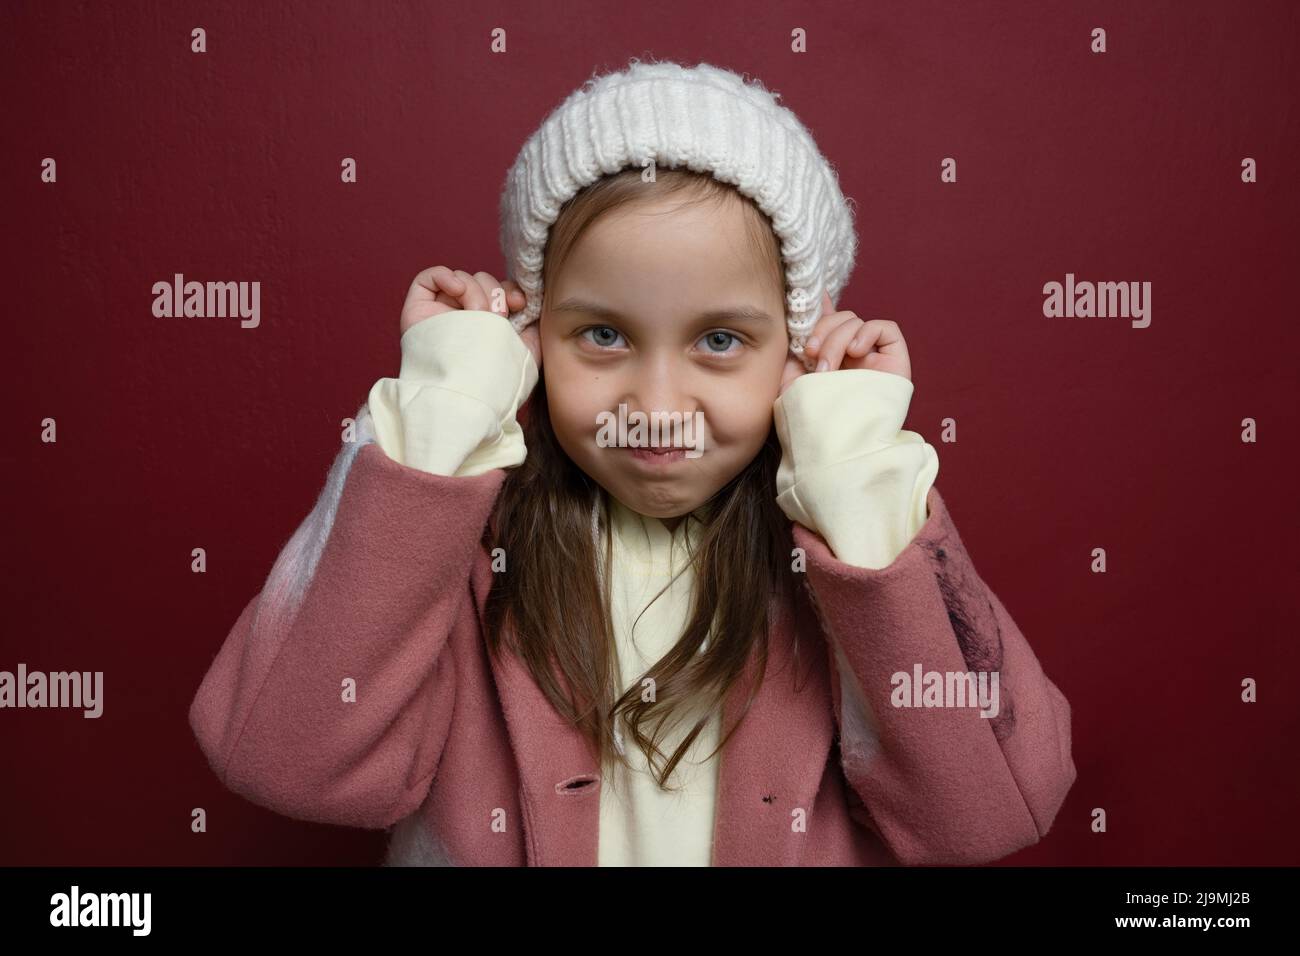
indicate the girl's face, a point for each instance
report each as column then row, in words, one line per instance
column 666, row 308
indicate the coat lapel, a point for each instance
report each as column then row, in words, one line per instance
column 559, row 782
column 773, row 764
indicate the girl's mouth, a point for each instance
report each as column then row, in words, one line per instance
column 656, row 457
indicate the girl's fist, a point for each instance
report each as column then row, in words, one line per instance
column 440, row 289
column 841, row 340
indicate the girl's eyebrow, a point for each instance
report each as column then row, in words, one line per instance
column 738, row 315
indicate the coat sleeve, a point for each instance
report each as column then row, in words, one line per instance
column 940, row 785
column 366, row 594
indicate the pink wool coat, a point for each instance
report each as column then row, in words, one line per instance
column 464, row 760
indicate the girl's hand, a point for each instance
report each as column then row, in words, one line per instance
column 439, row 289
column 840, row 340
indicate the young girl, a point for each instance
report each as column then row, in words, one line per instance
column 515, row 636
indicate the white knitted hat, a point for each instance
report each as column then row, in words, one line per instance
column 708, row 120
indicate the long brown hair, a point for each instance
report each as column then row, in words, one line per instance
column 551, row 606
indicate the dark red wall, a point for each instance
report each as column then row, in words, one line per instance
column 1074, row 434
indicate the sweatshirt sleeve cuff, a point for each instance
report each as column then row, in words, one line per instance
column 452, row 409
column 475, row 353
column 849, row 472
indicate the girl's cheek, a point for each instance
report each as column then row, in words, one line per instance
column 579, row 421
column 737, row 417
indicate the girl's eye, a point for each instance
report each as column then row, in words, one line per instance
column 603, row 339
column 719, row 337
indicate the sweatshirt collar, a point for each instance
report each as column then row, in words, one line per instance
column 647, row 540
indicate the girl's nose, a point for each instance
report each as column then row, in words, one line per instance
column 659, row 386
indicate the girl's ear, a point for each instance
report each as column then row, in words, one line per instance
column 793, row 369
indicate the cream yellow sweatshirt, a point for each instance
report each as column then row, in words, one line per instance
column 848, row 472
